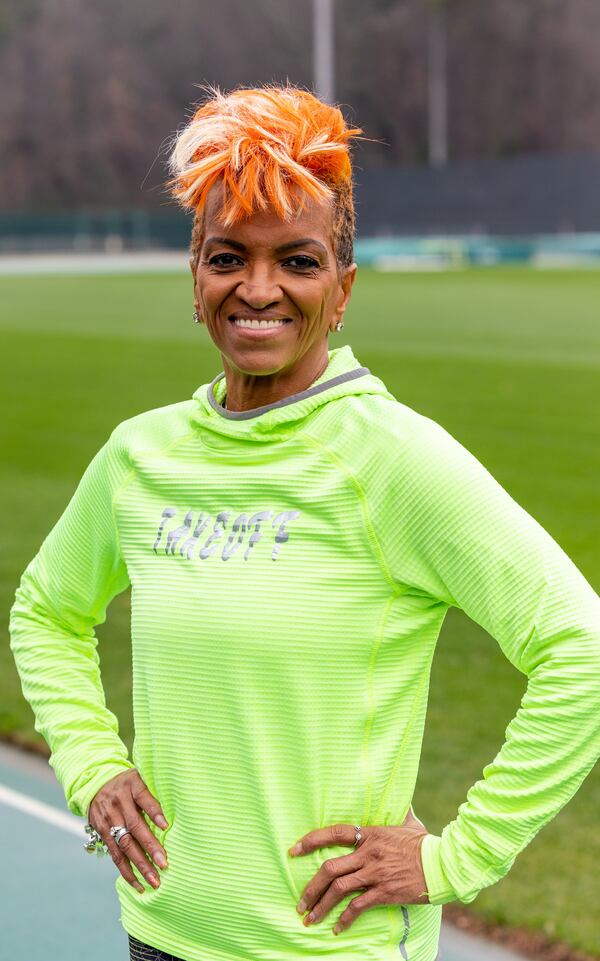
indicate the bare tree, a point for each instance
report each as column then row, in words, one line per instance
column 92, row 92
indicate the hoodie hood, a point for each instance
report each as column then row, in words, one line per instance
column 343, row 375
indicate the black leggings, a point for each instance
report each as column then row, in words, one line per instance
column 138, row 951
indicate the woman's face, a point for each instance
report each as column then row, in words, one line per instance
column 264, row 269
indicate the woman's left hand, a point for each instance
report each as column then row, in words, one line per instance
column 387, row 862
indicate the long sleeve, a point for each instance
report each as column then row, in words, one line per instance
column 63, row 593
column 454, row 532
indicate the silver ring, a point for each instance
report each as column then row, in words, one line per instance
column 358, row 837
column 118, row 832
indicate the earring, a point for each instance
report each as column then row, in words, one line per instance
column 197, row 318
column 339, row 325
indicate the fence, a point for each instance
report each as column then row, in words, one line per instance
column 483, row 211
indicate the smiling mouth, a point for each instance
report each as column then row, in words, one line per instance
column 251, row 323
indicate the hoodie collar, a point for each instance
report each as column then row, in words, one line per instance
column 343, row 375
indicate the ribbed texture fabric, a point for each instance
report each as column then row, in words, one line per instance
column 290, row 573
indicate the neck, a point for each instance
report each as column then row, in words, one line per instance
column 246, row 391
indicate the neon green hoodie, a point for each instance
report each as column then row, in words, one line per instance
column 290, row 569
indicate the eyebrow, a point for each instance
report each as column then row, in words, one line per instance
column 278, row 250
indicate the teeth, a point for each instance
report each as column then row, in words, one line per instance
column 246, row 322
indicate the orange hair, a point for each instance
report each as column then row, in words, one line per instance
column 269, row 146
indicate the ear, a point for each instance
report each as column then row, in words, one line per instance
column 347, row 278
column 193, row 270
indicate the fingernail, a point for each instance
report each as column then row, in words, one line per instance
column 159, row 859
column 153, row 880
column 161, row 822
column 337, row 929
column 301, row 907
column 296, row 849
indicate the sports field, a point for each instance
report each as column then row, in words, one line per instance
column 508, row 360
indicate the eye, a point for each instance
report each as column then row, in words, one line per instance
column 218, row 261
column 303, row 262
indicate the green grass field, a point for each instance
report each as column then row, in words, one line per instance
column 508, row 360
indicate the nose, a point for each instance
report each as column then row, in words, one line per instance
column 258, row 287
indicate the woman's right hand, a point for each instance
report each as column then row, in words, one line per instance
column 121, row 801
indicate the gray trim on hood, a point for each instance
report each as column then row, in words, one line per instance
column 292, row 399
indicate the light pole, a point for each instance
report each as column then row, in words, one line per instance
column 323, row 50
column 437, row 84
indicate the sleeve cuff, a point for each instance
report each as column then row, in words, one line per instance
column 439, row 888
column 80, row 800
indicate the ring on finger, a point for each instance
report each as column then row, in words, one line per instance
column 118, row 831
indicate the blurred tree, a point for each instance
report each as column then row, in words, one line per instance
column 14, row 14
column 92, row 93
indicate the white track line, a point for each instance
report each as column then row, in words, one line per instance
column 37, row 809
column 94, row 263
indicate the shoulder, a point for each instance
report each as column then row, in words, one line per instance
column 152, row 430
column 393, row 433
column 403, row 459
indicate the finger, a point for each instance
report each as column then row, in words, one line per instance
column 339, row 888
column 123, row 864
column 148, row 803
column 144, row 836
column 321, row 837
column 356, row 906
column 132, row 850
column 127, row 848
column 328, row 874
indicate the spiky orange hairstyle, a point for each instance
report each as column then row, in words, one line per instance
column 272, row 145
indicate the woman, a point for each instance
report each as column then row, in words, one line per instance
column 293, row 536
